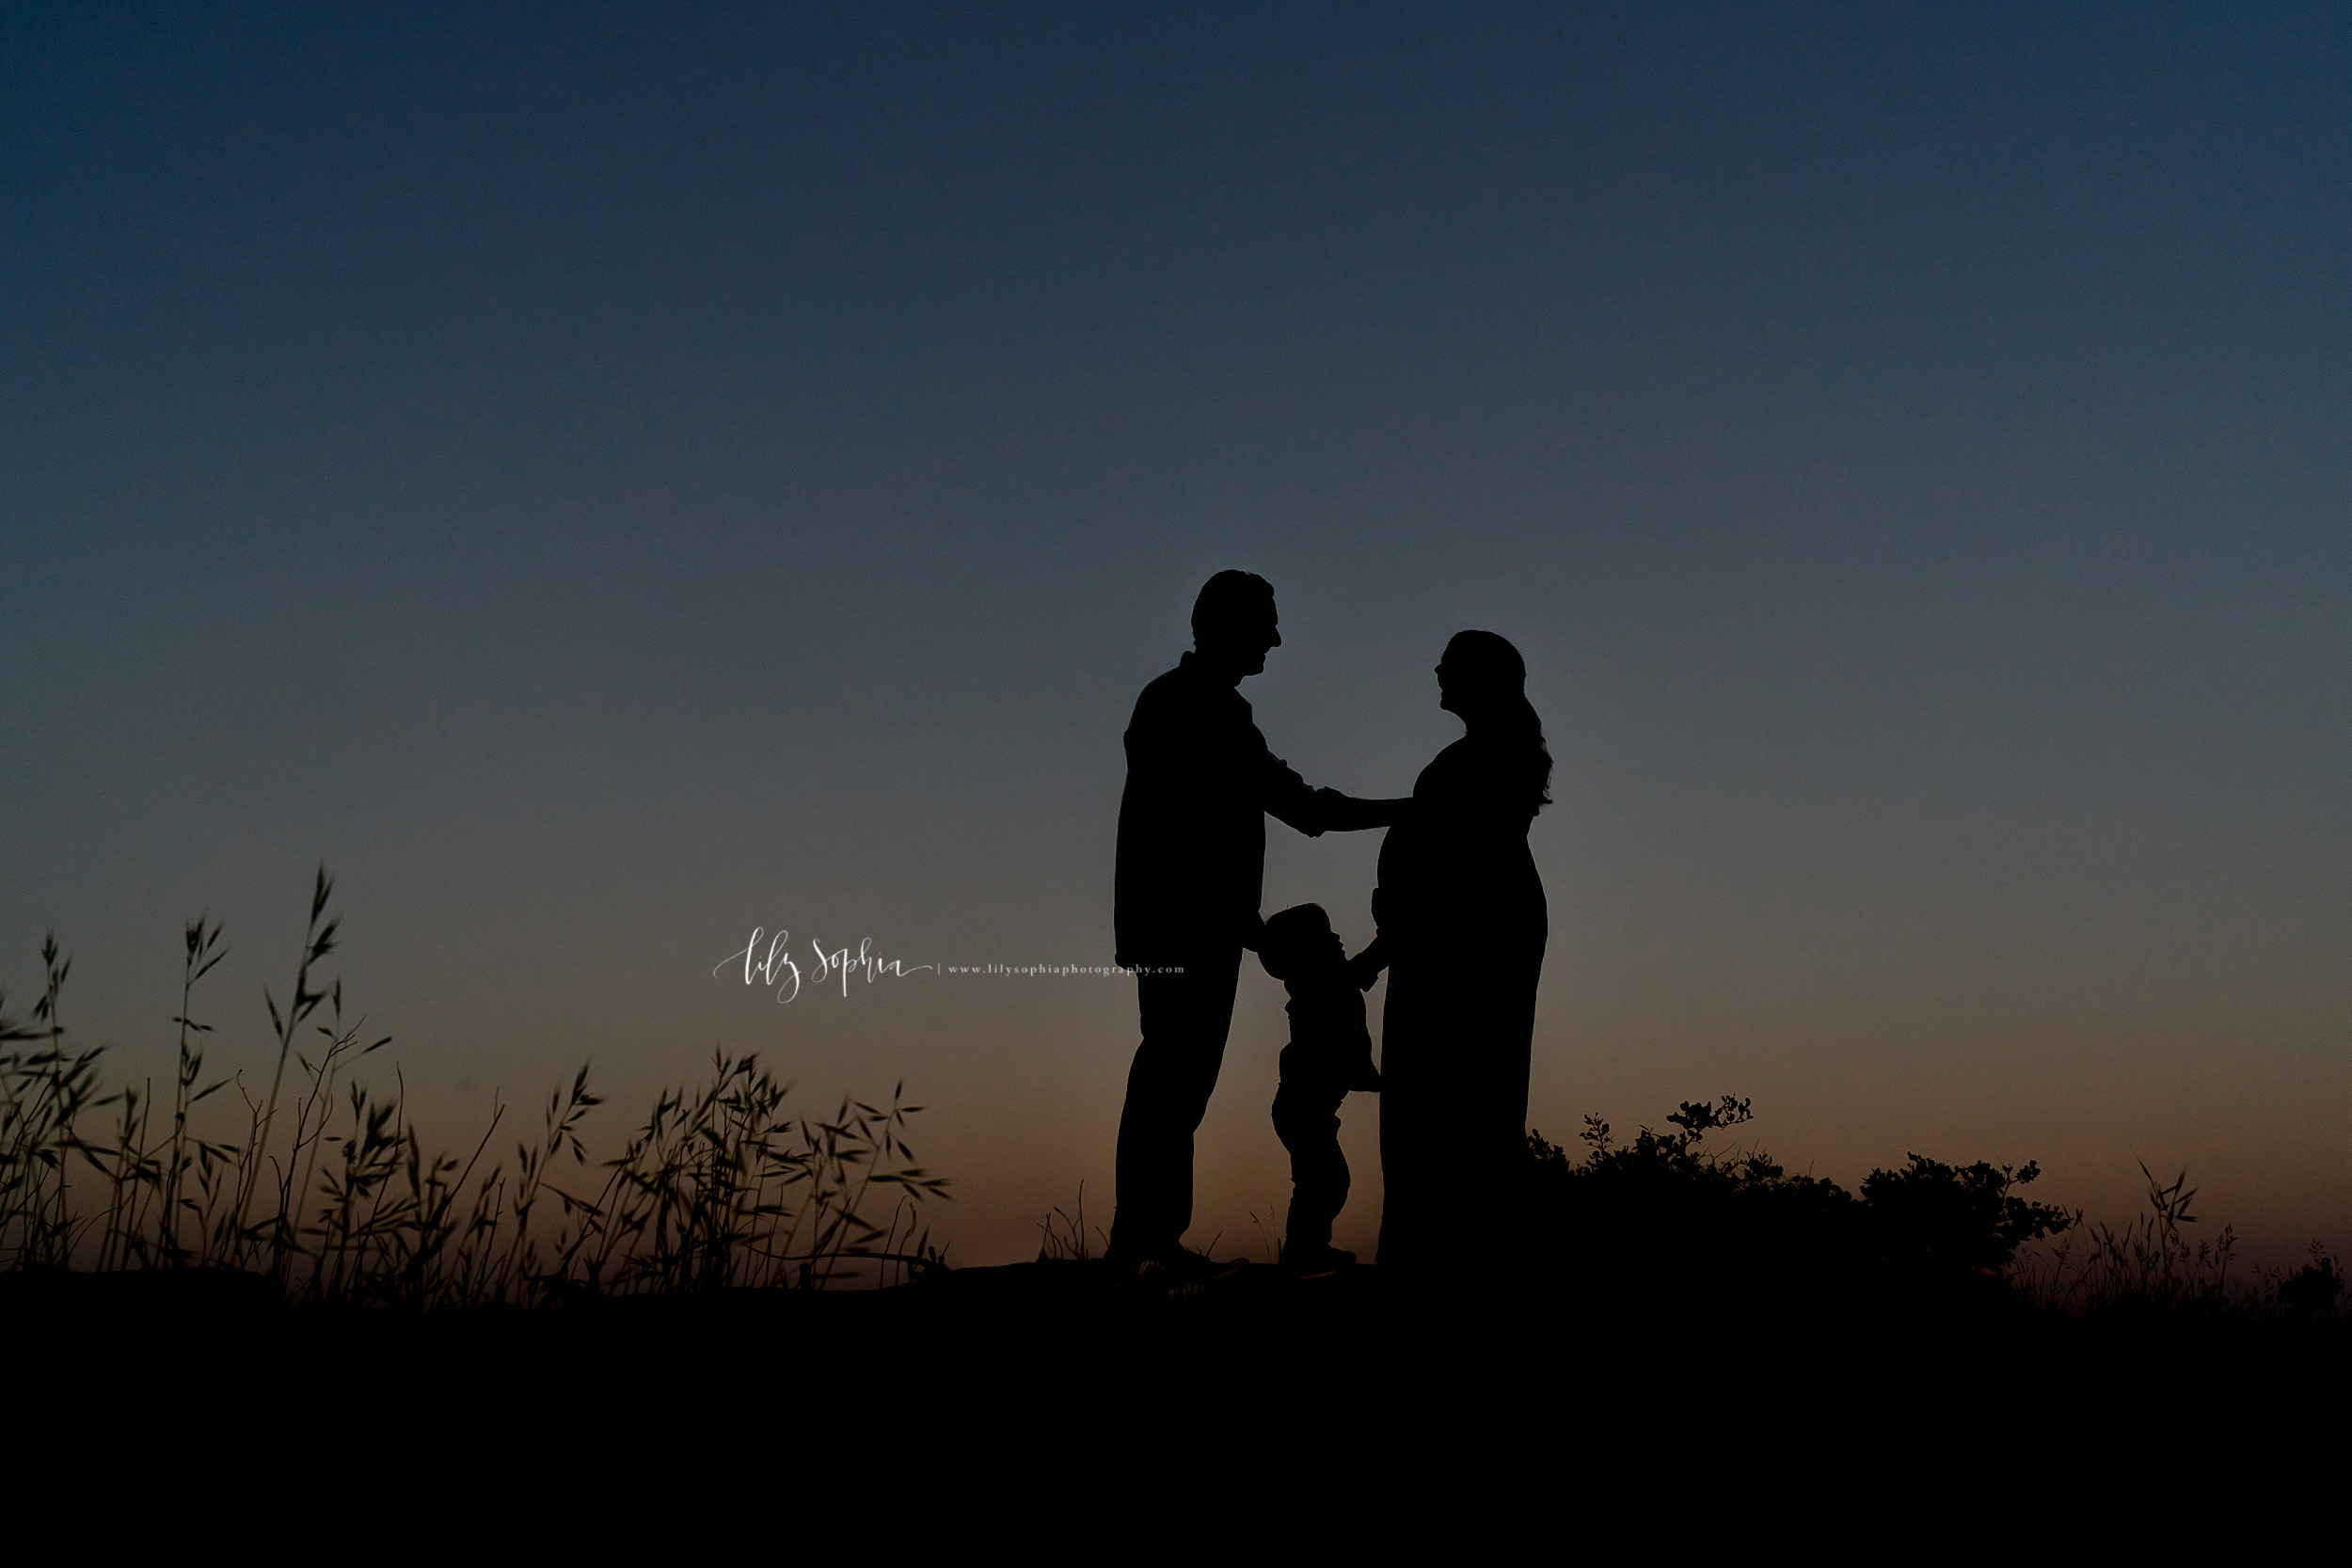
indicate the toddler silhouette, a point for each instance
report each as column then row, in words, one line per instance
column 1330, row 1053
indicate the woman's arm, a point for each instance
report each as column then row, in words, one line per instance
column 1347, row 814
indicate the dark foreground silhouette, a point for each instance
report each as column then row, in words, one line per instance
column 1680, row 1349
column 1492, row 1396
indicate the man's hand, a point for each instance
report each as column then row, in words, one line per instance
column 1365, row 967
column 1253, row 932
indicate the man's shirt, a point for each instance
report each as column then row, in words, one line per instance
column 1192, row 821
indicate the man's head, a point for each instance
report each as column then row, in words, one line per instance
column 1298, row 943
column 1234, row 623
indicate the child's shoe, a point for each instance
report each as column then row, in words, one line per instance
column 1316, row 1262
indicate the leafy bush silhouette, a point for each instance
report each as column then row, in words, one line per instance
column 2312, row 1290
column 1934, row 1220
column 1665, row 1210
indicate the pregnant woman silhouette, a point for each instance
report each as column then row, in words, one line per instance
column 1462, row 929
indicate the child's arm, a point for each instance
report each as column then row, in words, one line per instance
column 1365, row 967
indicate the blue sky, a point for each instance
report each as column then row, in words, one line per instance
column 607, row 479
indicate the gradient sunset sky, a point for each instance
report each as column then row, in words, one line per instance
column 606, row 479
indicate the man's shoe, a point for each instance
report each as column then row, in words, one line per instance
column 1198, row 1268
column 1177, row 1266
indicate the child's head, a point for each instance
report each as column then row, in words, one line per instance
column 1300, row 943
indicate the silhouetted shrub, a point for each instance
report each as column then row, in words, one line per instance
column 1937, row 1221
column 2312, row 1290
column 1663, row 1212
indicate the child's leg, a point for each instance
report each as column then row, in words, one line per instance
column 1308, row 1125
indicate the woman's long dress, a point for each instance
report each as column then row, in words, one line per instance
column 1463, row 921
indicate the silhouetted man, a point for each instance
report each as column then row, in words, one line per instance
column 1191, row 869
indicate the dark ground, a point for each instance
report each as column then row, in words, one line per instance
column 1054, row 1375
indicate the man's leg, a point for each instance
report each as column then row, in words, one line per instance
column 1185, row 1018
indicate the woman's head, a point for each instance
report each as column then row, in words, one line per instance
column 1480, row 674
column 1483, row 679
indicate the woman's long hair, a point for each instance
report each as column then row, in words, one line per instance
column 1493, row 676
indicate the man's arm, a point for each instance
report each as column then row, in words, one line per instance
column 1315, row 812
column 1287, row 798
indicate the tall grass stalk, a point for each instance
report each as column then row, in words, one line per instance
column 331, row 1193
